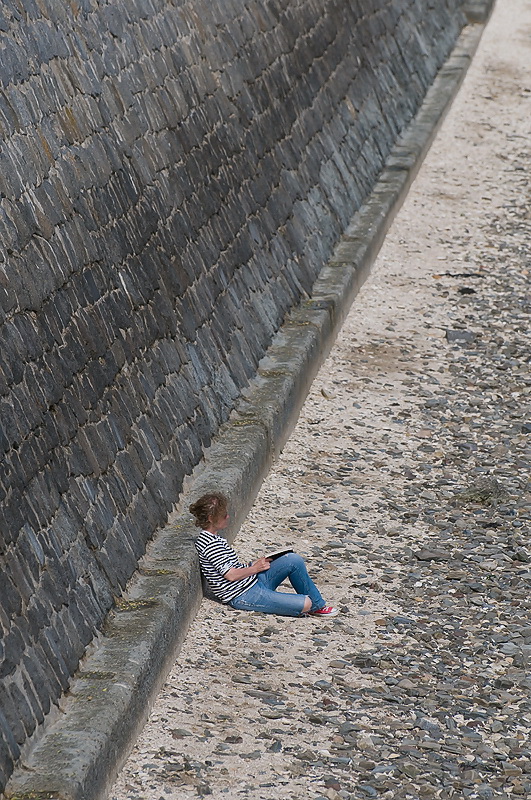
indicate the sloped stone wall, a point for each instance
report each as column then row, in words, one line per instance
column 173, row 174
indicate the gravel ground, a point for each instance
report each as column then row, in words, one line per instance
column 406, row 486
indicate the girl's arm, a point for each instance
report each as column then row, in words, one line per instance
column 237, row 573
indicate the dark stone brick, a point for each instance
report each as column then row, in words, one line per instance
column 78, row 621
column 13, row 649
column 30, row 694
column 9, row 749
column 26, row 716
column 49, row 656
column 68, row 641
column 38, row 617
column 53, row 589
column 14, row 571
column 38, row 687
column 10, row 597
column 115, row 563
column 15, row 68
column 12, row 717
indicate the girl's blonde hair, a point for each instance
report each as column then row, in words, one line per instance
column 209, row 508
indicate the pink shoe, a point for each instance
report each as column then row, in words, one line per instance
column 326, row 611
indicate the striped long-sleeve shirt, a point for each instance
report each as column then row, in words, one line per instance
column 216, row 557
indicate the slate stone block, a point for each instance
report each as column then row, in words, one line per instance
column 117, row 562
column 14, row 64
column 53, row 661
column 38, row 619
column 13, row 648
column 78, row 622
column 9, row 749
column 66, row 644
column 30, row 695
column 129, row 471
column 13, row 715
column 13, row 569
column 11, row 516
column 37, row 686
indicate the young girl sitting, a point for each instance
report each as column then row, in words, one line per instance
column 251, row 587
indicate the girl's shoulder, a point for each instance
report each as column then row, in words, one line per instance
column 206, row 538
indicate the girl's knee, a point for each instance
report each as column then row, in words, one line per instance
column 295, row 559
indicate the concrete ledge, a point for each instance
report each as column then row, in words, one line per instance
column 78, row 755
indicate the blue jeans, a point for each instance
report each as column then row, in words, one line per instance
column 263, row 597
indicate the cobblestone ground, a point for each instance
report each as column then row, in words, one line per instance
column 406, row 487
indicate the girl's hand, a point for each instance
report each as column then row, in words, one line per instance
column 261, row 565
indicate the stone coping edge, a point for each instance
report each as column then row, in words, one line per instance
column 79, row 753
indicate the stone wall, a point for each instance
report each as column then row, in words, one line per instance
column 173, row 174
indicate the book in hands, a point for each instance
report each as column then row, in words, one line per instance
column 278, row 553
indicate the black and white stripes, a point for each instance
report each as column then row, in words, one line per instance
column 216, row 558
